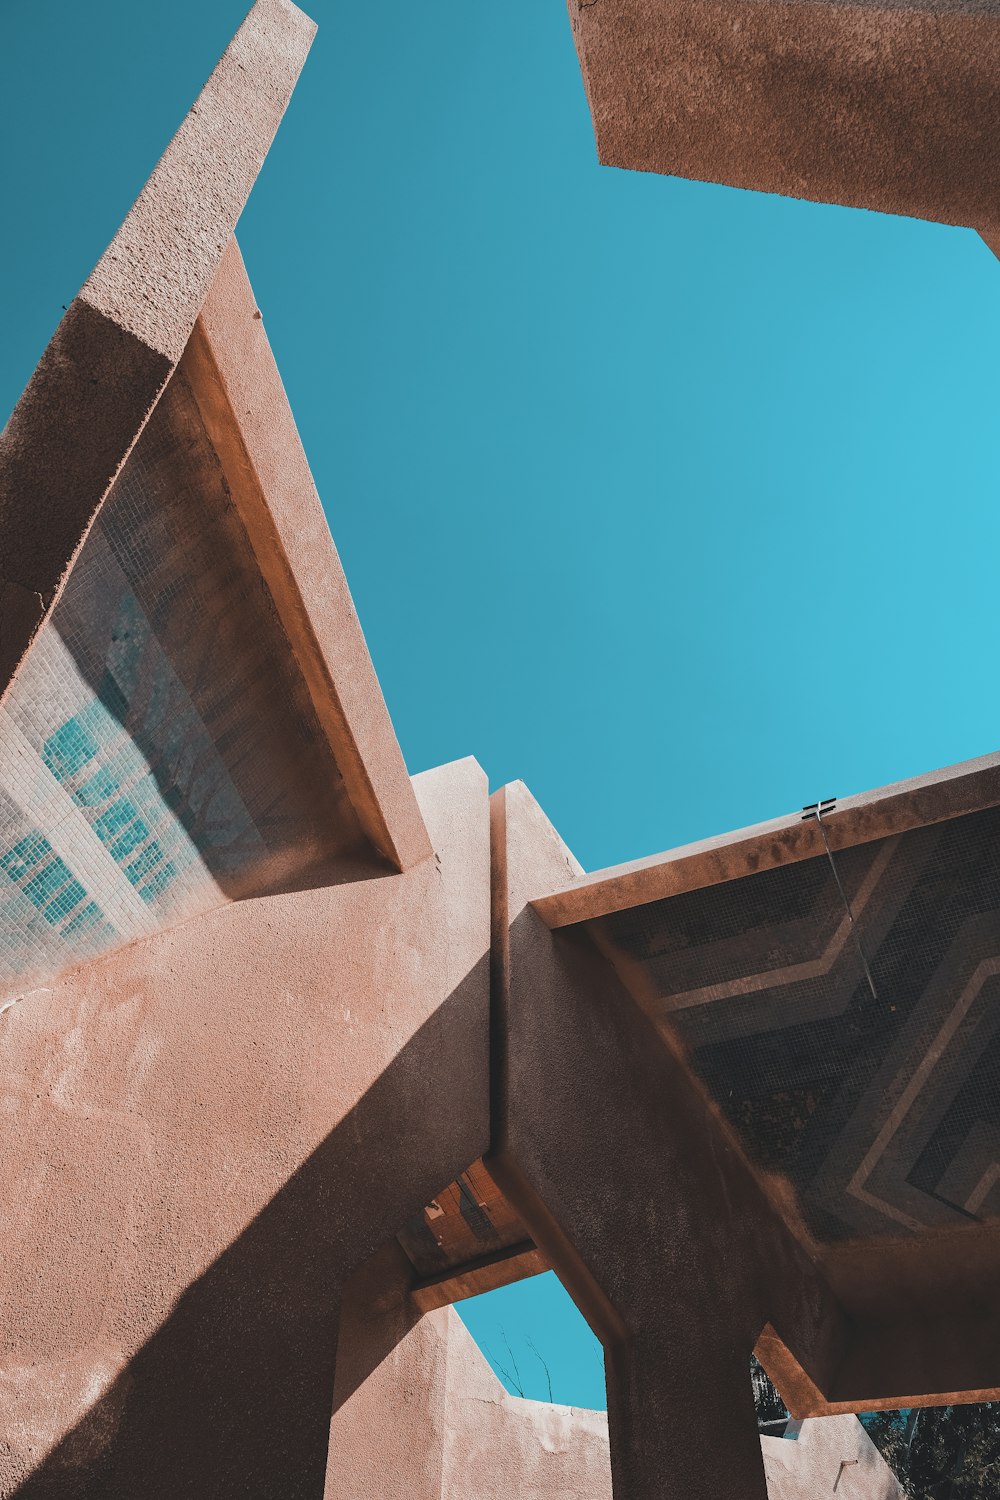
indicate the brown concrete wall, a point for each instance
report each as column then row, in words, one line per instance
column 213, row 1129
column 389, row 1426
column 421, row 1416
column 631, row 1185
column 831, row 1456
column 876, row 106
column 236, row 384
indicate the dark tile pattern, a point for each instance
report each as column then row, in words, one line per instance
column 883, row 1113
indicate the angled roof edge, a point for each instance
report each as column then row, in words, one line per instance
column 236, row 383
column 970, row 786
column 111, row 356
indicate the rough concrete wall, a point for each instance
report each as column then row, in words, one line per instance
column 214, row 1127
column 500, row 1446
column 891, row 107
column 389, row 1427
column 421, row 1416
column 831, row 1456
column 232, row 372
column 642, row 1201
column 158, row 750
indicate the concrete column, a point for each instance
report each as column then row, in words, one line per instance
column 681, row 1416
column 634, row 1189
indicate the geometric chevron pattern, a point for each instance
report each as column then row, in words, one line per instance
column 883, row 1114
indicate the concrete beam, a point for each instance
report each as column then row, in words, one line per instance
column 217, row 1127
column 115, row 349
column 485, row 1275
column 889, row 107
column 231, row 370
column 637, row 1193
column 419, row 1415
column 970, row 786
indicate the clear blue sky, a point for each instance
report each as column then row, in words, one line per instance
column 678, row 503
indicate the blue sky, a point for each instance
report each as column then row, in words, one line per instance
column 676, row 502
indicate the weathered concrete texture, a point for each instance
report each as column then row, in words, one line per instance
column 637, row 1193
column 831, row 1456
column 111, row 355
column 891, row 107
column 214, row 1129
column 968, row 787
column 420, row 1416
column 766, row 996
column 236, row 383
column 500, row 1445
column 159, row 752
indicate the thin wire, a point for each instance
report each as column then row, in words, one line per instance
column 847, row 905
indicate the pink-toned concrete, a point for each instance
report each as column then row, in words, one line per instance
column 237, row 386
column 113, row 352
column 918, row 1322
column 210, row 1131
column 831, row 1456
column 922, row 800
column 214, row 1130
column 420, row 1415
column 637, row 1193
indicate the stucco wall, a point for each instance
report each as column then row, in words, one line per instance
column 832, row 1456
column 215, row 1126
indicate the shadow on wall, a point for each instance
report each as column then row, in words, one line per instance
column 233, row 1395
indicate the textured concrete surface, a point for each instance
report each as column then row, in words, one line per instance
column 891, row 107
column 111, row 355
column 213, row 1130
column 638, row 1193
column 217, row 1132
column 159, row 749
column 891, row 1156
column 830, row 1456
column 921, row 801
column 420, row 1416
column 232, row 372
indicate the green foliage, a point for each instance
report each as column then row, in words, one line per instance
column 941, row 1452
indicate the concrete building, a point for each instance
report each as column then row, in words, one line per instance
column 298, row 1050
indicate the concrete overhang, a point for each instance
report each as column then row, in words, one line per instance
column 832, row 983
column 894, row 107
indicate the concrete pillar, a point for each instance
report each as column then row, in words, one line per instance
column 636, row 1192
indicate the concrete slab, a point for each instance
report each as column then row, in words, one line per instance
column 889, row 107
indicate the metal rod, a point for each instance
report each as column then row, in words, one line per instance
column 818, row 814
